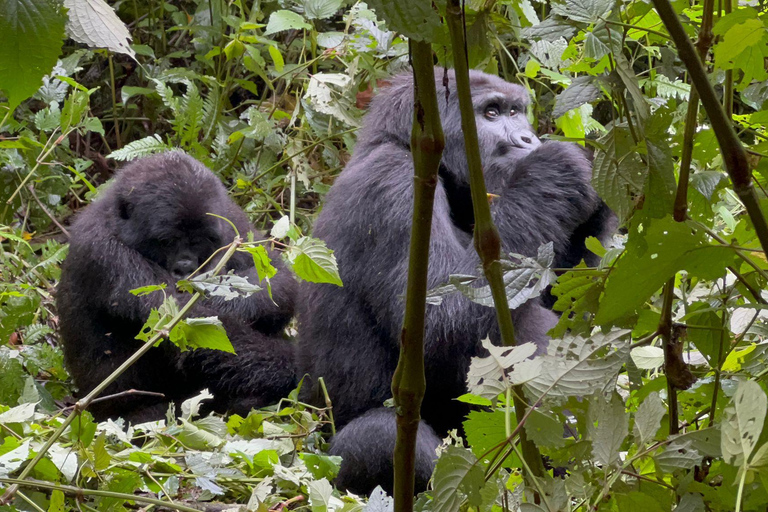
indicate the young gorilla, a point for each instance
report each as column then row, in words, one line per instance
column 350, row 336
column 152, row 227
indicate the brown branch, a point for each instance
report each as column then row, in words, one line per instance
column 409, row 382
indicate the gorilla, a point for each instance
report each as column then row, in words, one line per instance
column 350, row 336
column 152, row 227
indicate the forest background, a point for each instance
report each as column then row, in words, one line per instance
column 658, row 363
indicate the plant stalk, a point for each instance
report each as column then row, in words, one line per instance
column 409, row 381
column 486, row 236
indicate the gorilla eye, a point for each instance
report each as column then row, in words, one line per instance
column 492, row 111
column 513, row 112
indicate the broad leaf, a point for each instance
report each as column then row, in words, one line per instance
column 95, row 24
column 648, row 418
column 582, row 90
column 608, row 427
column 285, row 20
column 457, row 473
column 31, row 34
column 487, row 376
column 742, row 423
column 415, row 19
column 312, row 261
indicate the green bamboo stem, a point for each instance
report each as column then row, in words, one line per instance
column 83, row 404
column 486, row 236
column 734, row 155
column 409, row 381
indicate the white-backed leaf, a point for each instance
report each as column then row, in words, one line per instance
column 487, row 375
column 95, row 24
column 312, row 261
column 648, row 358
column 742, row 423
column 577, row 366
column 285, row 20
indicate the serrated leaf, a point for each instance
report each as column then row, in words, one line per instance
column 194, row 333
column 544, row 430
column 95, row 24
column 648, row 418
column 487, row 376
column 742, row 423
column 379, row 501
column 582, row 90
column 586, row 11
column 285, row 20
column 320, row 9
column 524, row 279
column 680, row 455
column 138, row 148
column 31, row 34
column 312, row 261
column 415, row 19
column 618, row 174
column 611, row 429
column 227, row 286
column 456, row 473
column 738, row 39
column 18, row 414
column 706, row 182
column 551, row 29
column 577, row 366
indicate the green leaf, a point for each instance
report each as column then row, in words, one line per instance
column 737, row 39
column 262, row 262
column 415, row 19
column 194, row 333
column 456, row 473
column 31, row 34
column 312, row 261
column 647, row 358
column 57, row 502
column 320, row 495
column 320, row 9
column 653, row 254
column 611, row 429
column 285, row 20
column 648, row 418
column 138, row 148
column 742, row 423
column 582, row 90
column 322, row 466
column 95, row 24
column 586, row 11
column 618, row 174
column 544, row 430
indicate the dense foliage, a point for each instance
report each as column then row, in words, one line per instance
column 658, row 366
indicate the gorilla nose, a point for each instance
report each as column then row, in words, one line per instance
column 183, row 268
column 527, row 141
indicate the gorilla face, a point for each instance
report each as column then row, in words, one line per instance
column 168, row 222
column 501, row 118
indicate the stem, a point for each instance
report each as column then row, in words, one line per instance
column 85, row 402
column 486, row 237
column 665, row 331
column 409, row 382
column 691, row 116
column 728, row 88
column 734, row 155
column 78, row 491
column 114, row 100
column 741, row 489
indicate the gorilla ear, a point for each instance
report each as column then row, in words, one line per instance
column 124, row 208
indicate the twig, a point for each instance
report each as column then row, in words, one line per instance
column 129, row 392
column 45, row 210
column 79, row 492
column 409, row 381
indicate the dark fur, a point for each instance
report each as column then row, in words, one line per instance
column 151, row 227
column 350, row 335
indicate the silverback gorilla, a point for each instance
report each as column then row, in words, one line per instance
column 152, row 227
column 350, row 335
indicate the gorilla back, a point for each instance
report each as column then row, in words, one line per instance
column 350, row 335
column 152, row 227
